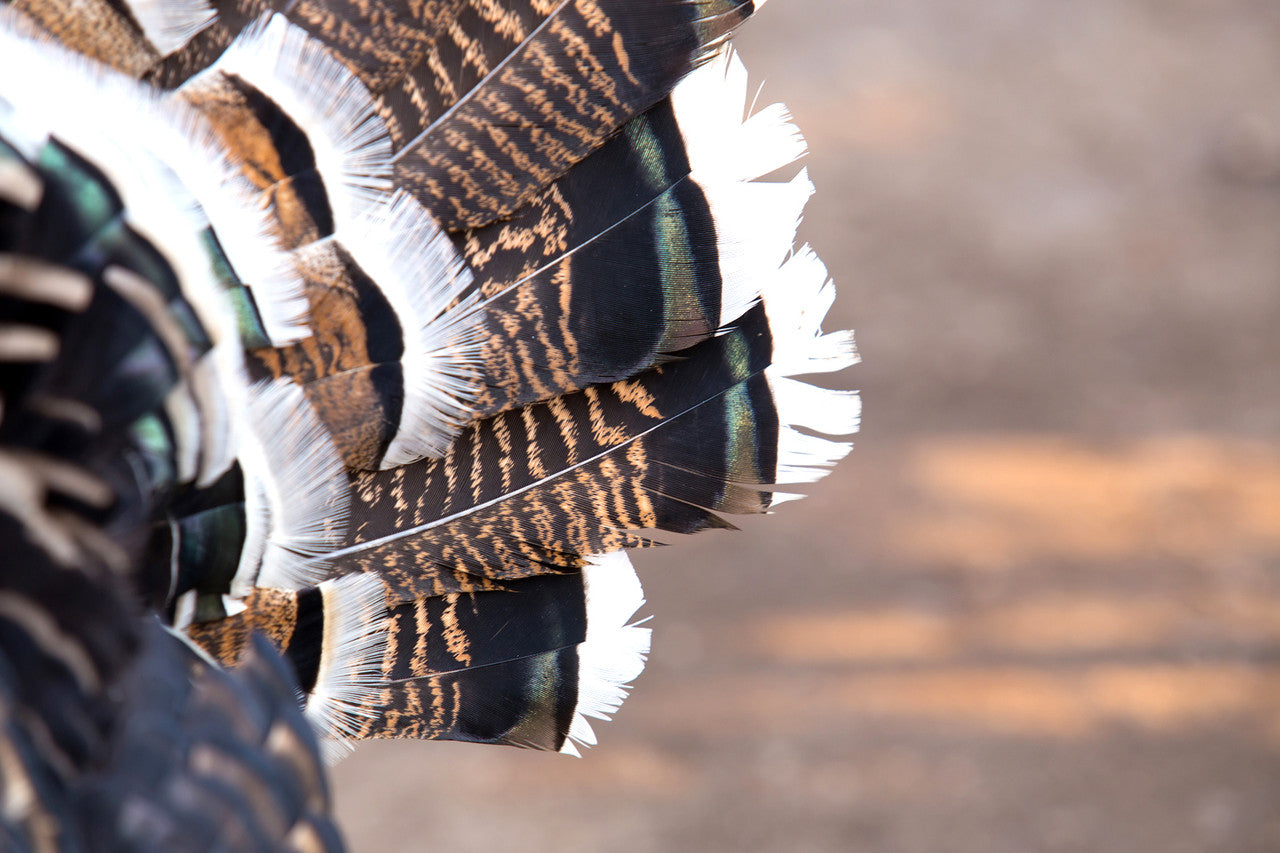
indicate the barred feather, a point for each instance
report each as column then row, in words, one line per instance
column 344, row 349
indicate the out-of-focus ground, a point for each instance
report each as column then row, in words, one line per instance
column 1038, row 608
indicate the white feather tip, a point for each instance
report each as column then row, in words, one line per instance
column 614, row 652
column 350, row 671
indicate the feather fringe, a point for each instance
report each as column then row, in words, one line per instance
column 170, row 24
column 350, row 673
column 350, row 140
column 296, row 495
column 184, row 415
column 614, row 652
column 217, row 432
column 796, row 302
column 421, row 275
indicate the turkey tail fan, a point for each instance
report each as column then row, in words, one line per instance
column 372, row 334
column 584, row 443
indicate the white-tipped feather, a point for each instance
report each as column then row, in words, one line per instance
column 296, row 496
column 756, row 223
column 350, row 671
column 233, row 606
column 805, row 458
column 419, row 272
column 257, row 520
column 728, row 149
column 796, row 300
column 350, row 141
column 184, row 610
column 217, row 435
column 246, row 237
column 169, row 24
column 614, row 652
column 19, row 185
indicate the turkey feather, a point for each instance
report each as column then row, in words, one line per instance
column 344, row 349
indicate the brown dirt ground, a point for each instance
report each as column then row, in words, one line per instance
column 1038, row 608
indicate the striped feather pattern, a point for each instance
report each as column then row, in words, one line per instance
column 524, row 665
column 419, row 58
column 576, row 474
column 570, row 83
column 357, row 342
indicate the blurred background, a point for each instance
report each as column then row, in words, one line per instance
column 1038, row 608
